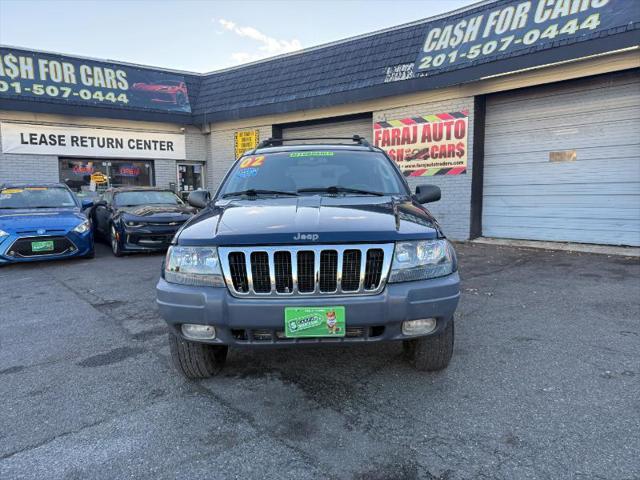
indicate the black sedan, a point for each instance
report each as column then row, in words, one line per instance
column 139, row 219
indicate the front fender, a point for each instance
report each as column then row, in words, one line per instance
column 117, row 221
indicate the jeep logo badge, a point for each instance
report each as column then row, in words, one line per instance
column 307, row 236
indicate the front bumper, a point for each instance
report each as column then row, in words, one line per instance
column 148, row 238
column 82, row 245
column 259, row 322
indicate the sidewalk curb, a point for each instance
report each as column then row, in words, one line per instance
column 568, row 247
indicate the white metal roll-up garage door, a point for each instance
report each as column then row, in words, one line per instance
column 345, row 128
column 534, row 187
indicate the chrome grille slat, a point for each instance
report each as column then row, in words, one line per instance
column 339, row 273
column 247, row 259
column 363, row 269
column 316, row 272
column 272, row 271
column 306, row 270
column 294, row 272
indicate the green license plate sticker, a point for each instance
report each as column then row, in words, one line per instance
column 314, row 322
column 46, row 246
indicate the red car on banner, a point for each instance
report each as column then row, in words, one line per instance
column 169, row 91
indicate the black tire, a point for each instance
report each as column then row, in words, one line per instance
column 429, row 354
column 116, row 248
column 195, row 359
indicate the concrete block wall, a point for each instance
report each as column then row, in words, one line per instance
column 27, row 168
column 453, row 211
column 222, row 151
column 197, row 144
column 166, row 171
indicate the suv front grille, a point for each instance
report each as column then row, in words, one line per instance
column 306, row 270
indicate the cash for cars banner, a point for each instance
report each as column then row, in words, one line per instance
column 517, row 27
column 426, row 145
column 48, row 77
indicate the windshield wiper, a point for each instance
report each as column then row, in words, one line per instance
column 254, row 193
column 336, row 189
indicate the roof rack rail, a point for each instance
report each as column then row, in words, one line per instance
column 278, row 141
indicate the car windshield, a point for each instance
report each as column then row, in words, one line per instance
column 310, row 172
column 36, row 197
column 146, row 197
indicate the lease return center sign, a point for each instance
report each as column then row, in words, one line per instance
column 22, row 138
column 426, row 145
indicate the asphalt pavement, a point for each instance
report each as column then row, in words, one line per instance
column 544, row 383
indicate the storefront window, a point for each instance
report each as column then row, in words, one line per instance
column 91, row 175
column 189, row 177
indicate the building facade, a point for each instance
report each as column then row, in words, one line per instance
column 525, row 113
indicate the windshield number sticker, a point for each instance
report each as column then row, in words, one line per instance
column 252, row 162
column 311, row 154
column 247, row 172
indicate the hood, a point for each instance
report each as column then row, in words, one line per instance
column 51, row 220
column 310, row 219
column 159, row 211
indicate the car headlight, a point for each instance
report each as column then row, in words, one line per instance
column 83, row 227
column 198, row 266
column 130, row 223
column 419, row 260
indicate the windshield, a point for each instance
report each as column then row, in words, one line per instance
column 315, row 171
column 133, row 199
column 37, row 197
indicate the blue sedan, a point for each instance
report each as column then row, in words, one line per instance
column 42, row 222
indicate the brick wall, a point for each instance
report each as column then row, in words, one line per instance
column 222, row 151
column 454, row 210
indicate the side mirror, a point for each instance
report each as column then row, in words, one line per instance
column 427, row 193
column 199, row 198
column 86, row 203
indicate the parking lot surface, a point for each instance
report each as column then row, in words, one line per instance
column 544, row 383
